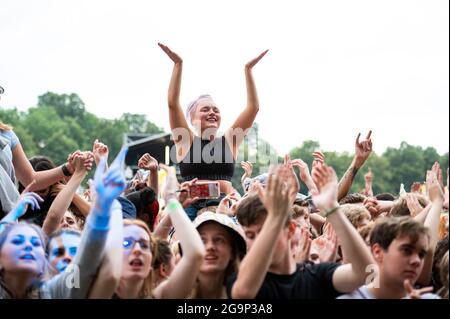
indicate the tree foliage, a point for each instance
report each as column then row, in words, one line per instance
column 60, row 124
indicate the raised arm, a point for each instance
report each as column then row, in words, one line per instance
column 110, row 270
column 108, row 186
column 368, row 178
column 432, row 222
column 26, row 174
column 149, row 163
column 305, row 176
column 99, row 151
column 182, row 279
column 362, row 152
column 245, row 120
column 26, row 199
column 348, row 277
column 62, row 201
column 255, row 264
column 176, row 116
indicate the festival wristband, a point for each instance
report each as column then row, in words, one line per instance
column 328, row 212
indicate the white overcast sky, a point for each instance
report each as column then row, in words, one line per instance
column 335, row 67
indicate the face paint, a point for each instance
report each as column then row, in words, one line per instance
column 63, row 250
column 137, row 254
column 23, row 250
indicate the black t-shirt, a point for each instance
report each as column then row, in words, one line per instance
column 309, row 281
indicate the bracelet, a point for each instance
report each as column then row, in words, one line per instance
column 174, row 205
column 328, row 212
column 65, row 170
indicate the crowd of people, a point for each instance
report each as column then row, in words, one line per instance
column 154, row 238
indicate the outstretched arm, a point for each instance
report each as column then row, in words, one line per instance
column 149, row 163
column 108, row 186
column 182, row 279
column 304, row 174
column 64, row 197
column 26, row 174
column 176, row 116
column 247, row 117
column 26, row 199
column 432, row 222
column 362, row 152
column 110, row 270
column 348, row 277
column 256, row 263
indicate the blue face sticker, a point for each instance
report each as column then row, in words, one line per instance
column 63, row 250
column 24, row 247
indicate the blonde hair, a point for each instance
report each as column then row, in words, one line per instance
column 5, row 127
column 33, row 289
column 400, row 207
column 147, row 288
column 355, row 213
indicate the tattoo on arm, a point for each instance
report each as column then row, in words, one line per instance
column 354, row 172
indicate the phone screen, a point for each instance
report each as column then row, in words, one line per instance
column 206, row 190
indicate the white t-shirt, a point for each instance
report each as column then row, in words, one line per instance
column 363, row 292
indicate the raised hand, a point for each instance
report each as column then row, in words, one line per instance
column 304, row 246
column 413, row 204
column 438, row 171
column 435, row 192
column 148, row 162
column 172, row 55
column 226, row 203
column 326, row 181
column 26, row 199
column 87, row 159
column 305, row 176
column 184, row 196
column 99, row 150
column 275, row 197
column 415, row 293
column 248, row 169
column 318, row 156
column 82, row 162
column 371, row 204
column 291, row 178
column 254, row 61
column 363, row 149
column 319, row 160
column 327, row 245
column 110, row 184
column 368, row 177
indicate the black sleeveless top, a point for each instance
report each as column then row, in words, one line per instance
column 208, row 160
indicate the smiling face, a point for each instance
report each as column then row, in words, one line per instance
column 206, row 115
column 218, row 246
column 404, row 259
column 23, row 251
column 137, row 255
column 62, row 250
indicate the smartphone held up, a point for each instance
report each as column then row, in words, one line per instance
column 205, row 190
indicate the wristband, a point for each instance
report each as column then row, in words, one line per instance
column 65, row 170
column 328, row 212
column 174, row 205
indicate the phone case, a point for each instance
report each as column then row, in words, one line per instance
column 205, row 190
